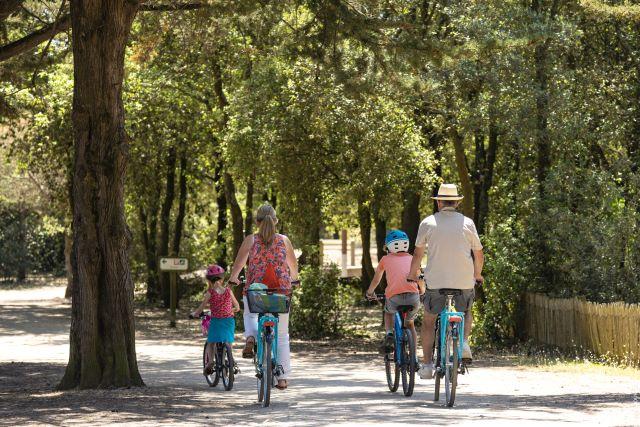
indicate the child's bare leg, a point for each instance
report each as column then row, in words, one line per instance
column 388, row 321
column 412, row 328
column 210, row 352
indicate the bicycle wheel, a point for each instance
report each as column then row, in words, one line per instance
column 392, row 370
column 451, row 369
column 266, row 380
column 214, row 378
column 436, row 357
column 408, row 362
column 227, row 367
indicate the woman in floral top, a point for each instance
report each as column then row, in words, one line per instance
column 270, row 260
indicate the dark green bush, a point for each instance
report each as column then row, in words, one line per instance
column 320, row 305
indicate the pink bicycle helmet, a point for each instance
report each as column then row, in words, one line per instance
column 214, row 271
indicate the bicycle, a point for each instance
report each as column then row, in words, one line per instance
column 402, row 357
column 224, row 367
column 268, row 304
column 448, row 347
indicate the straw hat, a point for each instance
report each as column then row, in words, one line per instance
column 448, row 192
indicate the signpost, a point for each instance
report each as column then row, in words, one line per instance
column 173, row 266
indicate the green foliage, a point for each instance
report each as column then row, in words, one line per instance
column 320, row 305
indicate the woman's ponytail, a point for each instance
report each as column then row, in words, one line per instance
column 267, row 220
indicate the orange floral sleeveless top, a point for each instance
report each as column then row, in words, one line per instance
column 268, row 264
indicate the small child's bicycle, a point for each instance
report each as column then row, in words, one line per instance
column 224, row 367
column 449, row 338
column 401, row 360
column 268, row 305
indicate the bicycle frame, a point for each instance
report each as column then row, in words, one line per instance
column 268, row 327
column 448, row 311
column 399, row 326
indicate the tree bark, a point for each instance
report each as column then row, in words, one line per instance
column 221, row 201
column 485, row 158
column 182, row 206
column 236, row 213
column 411, row 216
column 248, row 221
column 165, row 221
column 381, row 231
column 364, row 219
column 102, row 339
column 68, row 248
column 463, row 173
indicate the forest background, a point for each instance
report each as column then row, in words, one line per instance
column 341, row 114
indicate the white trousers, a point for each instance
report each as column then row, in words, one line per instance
column 251, row 330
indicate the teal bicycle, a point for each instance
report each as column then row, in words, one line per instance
column 268, row 305
column 449, row 338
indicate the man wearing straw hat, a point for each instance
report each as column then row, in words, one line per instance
column 449, row 239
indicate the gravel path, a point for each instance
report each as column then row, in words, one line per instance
column 326, row 389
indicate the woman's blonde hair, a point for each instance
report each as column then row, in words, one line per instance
column 267, row 220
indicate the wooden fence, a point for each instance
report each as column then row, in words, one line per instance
column 611, row 330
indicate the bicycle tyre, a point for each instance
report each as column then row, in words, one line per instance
column 214, row 378
column 267, row 372
column 392, row 370
column 227, row 367
column 451, row 371
column 408, row 363
column 437, row 359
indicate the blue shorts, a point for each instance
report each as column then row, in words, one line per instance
column 221, row 330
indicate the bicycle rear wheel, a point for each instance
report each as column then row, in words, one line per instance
column 228, row 373
column 408, row 362
column 214, row 378
column 451, row 368
column 436, row 357
column 392, row 370
column 266, row 380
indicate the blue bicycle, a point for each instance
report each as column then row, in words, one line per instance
column 449, row 338
column 268, row 305
column 401, row 359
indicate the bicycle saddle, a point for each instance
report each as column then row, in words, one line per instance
column 454, row 292
column 405, row 308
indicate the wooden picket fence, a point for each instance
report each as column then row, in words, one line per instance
column 611, row 330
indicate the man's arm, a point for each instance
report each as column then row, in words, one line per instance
column 478, row 263
column 418, row 253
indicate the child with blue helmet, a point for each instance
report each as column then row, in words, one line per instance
column 396, row 265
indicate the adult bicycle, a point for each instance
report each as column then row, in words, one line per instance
column 268, row 305
column 400, row 361
column 224, row 367
column 449, row 339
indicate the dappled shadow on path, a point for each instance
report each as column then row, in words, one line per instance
column 179, row 395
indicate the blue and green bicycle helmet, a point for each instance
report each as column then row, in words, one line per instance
column 397, row 241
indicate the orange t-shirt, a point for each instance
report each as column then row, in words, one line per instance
column 397, row 266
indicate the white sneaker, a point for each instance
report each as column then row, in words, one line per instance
column 426, row 371
column 466, row 351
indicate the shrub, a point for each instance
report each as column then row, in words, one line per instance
column 320, row 305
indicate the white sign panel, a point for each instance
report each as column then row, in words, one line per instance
column 174, row 264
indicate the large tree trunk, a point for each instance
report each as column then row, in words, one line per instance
column 463, row 173
column 102, row 339
column 149, row 226
column 364, row 219
column 165, row 221
column 411, row 216
column 483, row 175
column 68, row 249
column 248, row 220
column 381, row 231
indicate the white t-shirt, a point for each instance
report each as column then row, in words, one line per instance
column 449, row 237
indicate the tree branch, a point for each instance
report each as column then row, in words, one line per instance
column 47, row 32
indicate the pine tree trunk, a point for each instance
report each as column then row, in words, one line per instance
column 248, row 219
column 68, row 248
column 102, row 339
column 411, row 216
column 182, row 206
column 364, row 219
column 165, row 221
column 221, row 202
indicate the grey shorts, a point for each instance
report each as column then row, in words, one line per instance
column 434, row 301
column 408, row 298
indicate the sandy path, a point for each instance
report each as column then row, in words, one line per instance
column 326, row 389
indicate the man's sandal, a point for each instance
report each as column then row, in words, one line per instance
column 282, row 387
column 247, row 352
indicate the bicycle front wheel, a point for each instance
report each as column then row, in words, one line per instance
column 408, row 362
column 228, row 373
column 451, row 368
column 266, row 380
column 392, row 370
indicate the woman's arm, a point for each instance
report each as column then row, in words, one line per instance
column 241, row 258
column 292, row 261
